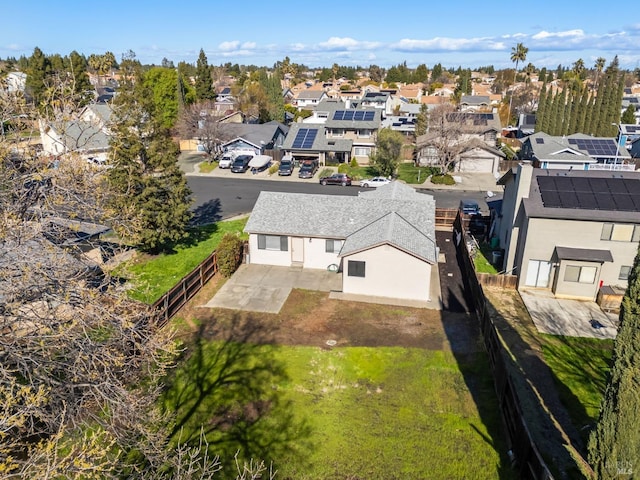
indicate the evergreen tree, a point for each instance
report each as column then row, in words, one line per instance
column 37, row 71
column 554, row 118
column 204, row 82
column 388, row 152
column 548, row 101
column 149, row 189
column 540, row 113
column 82, row 88
column 614, row 444
column 161, row 83
column 422, row 120
column 436, row 73
column 566, row 111
column 629, row 115
column 421, row 75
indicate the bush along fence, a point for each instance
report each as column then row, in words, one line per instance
column 528, row 461
column 172, row 301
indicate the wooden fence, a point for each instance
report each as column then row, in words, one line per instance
column 502, row 281
column 529, row 462
column 445, row 216
column 172, row 301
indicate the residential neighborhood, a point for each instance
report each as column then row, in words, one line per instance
column 323, row 270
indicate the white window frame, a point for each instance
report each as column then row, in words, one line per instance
column 361, row 151
column 278, row 243
column 581, row 274
column 332, row 245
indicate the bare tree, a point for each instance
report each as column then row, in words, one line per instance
column 202, row 121
column 450, row 133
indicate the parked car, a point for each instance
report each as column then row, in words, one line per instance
column 469, row 207
column 286, row 166
column 226, row 160
column 241, row 164
column 308, row 169
column 374, row 182
column 336, row 179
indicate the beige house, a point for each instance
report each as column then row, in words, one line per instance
column 382, row 242
column 570, row 232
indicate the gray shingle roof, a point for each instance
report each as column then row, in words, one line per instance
column 395, row 230
column 340, row 217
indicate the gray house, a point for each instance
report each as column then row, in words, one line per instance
column 570, row 232
column 382, row 242
column 577, row 151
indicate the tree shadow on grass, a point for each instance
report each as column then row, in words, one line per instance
column 207, row 213
column 228, row 387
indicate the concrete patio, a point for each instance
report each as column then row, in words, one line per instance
column 572, row 318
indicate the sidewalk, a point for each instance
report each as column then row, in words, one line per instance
column 477, row 182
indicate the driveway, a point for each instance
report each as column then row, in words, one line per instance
column 572, row 318
column 265, row 288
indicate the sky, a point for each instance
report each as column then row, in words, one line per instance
column 463, row 33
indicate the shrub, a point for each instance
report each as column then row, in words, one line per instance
column 343, row 168
column 326, row 172
column 443, row 179
column 273, row 169
column 354, row 162
column 229, row 254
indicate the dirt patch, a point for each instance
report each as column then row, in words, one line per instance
column 312, row 318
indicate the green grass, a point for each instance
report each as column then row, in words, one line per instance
column 409, row 173
column 481, row 260
column 207, row 167
column 154, row 276
column 358, row 412
column 580, row 367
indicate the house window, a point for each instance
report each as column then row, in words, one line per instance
column 273, row 242
column 337, row 132
column 355, row 268
column 332, row 246
column 624, row 272
column 580, row 274
column 364, row 133
column 620, row 232
column 362, row 151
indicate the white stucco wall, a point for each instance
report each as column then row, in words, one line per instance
column 314, row 254
column 389, row 272
column 268, row 257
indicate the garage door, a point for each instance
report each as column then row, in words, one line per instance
column 476, row 165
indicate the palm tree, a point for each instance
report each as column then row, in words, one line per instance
column 599, row 66
column 518, row 54
column 578, row 67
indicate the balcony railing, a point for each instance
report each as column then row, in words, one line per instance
column 620, row 167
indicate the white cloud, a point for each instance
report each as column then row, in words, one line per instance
column 569, row 33
column 439, row 44
column 248, row 45
column 346, row 44
column 229, row 46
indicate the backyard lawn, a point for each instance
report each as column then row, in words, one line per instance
column 580, row 367
column 354, row 410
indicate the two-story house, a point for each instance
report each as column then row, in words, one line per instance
column 570, row 232
column 335, row 132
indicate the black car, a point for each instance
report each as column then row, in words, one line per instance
column 336, row 179
column 307, row 169
column 286, row 167
column 241, row 164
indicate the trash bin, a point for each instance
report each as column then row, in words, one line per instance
column 496, row 257
column 495, row 242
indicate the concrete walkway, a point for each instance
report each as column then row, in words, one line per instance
column 572, row 318
column 265, row 288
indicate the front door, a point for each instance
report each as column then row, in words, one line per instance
column 297, row 250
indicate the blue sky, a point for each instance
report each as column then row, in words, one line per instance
column 261, row 32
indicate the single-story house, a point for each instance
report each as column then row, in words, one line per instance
column 382, row 242
column 569, row 231
column 577, row 152
column 254, row 136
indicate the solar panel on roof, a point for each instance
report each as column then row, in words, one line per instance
column 304, row 138
column 572, row 141
column 624, row 202
column 599, row 185
column 539, row 140
column 614, row 194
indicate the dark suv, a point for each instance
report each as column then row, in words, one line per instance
column 336, row 179
column 308, row 169
column 241, row 164
column 286, row 167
